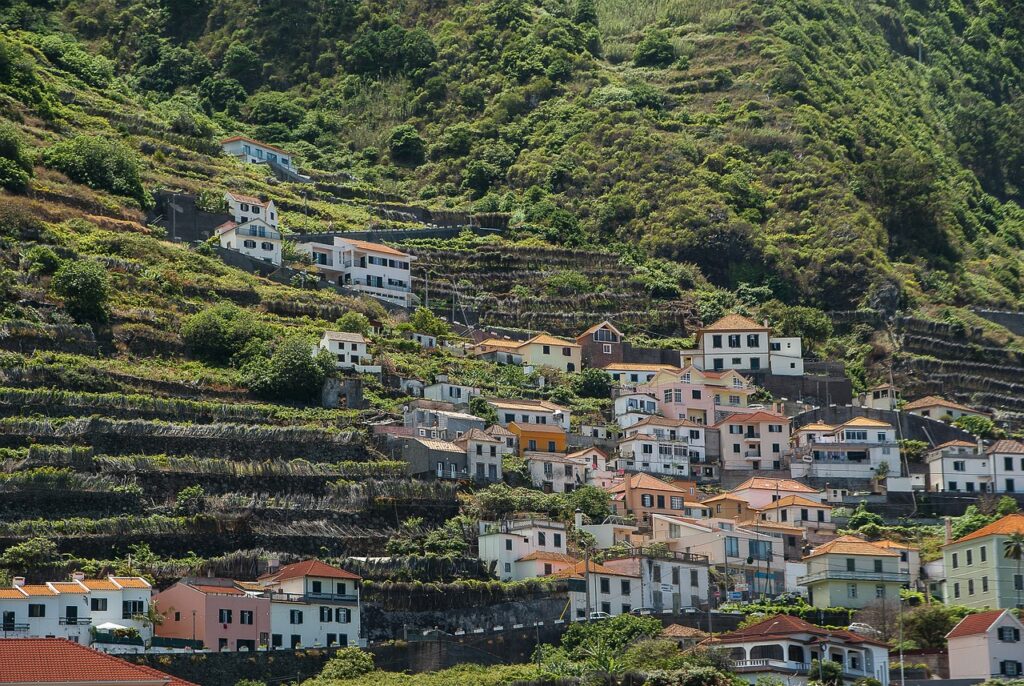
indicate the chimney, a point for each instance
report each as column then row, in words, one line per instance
column 19, row 581
column 273, row 564
column 949, row 529
column 78, row 576
column 579, row 518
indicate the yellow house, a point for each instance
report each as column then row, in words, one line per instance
column 540, row 351
column 548, row 438
column 851, row 572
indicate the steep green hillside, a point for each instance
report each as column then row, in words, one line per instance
column 840, row 153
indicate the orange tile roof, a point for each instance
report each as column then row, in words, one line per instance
column 755, row 524
column 373, row 247
column 637, row 367
column 734, row 322
column 38, row 589
column 225, row 227
column 953, row 444
column 787, row 626
column 851, row 545
column 864, row 421
column 525, row 404
column 232, row 139
column 499, row 430
column 725, row 496
column 1010, row 524
column 936, row 401
column 545, row 339
column 595, row 327
column 680, row 631
column 535, row 428
column 766, row 484
column 252, row 200
column 885, row 543
column 753, row 417
column 580, row 569
column 548, row 557
column 101, row 585
column 791, row 500
column 310, row 568
column 664, row 421
column 214, row 589
column 977, row 623
column 131, row 582
column 646, row 481
column 1006, row 446
column 11, row 594
column 585, row 451
column 60, row 661
column 68, row 587
column 816, row 426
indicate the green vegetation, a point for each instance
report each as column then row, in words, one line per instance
column 85, row 289
column 99, row 163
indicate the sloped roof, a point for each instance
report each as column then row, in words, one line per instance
column 756, row 524
column 252, row 200
column 664, row 421
column 225, row 227
column 101, row 585
column 851, row 545
column 38, row 589
column 578, row 571
column 256, row 142
column 936, row 401
column 766, row 484
column 553, row 429
column 11, row 594
column 213, row 588
column 816, row 426
column 642, row 480
column 597, row 326
column 436, row 444
column 787, row 626
column 753, row 417
column 476, row 434
column 1006, row 446
column 60, row 661
column 499, row 430
column 885, row 543
column 1010, row 524
column 680, row 631
column 525, row 404
column 344, row 336
column 316, row 568
column 131, row 582
column 545, row 556
column 373, row 247
column 953, row 444
column 584, row 451
column 864, row 421
column 725, row 496
column 68, row 587
column 977, row 623
column 638, row 367
column 795, row 500
column 546, row 339
column 734, row 322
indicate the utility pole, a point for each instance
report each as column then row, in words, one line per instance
column 586, row 578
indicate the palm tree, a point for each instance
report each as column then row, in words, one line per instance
column 1013, row 549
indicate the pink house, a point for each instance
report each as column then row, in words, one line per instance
column 697, row 395
column 219, row 612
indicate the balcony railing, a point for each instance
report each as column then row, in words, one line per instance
column 259, row 233
column 11, row 626
column 383, row 287
column 752, row 436
column 75, row 621
column 856, row 575
column 762, row 663
column 112, row 639
column 167, row 642
column 312, row 597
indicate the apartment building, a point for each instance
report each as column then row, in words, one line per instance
column 852, row 450
column 753, row 441
column 851, row 572
column 978, row 573
column 663, row 446
column 700, row 396
column 375, row 269
column 814, row 518
column 515, row 546
column 312, row 604
column 737, row 342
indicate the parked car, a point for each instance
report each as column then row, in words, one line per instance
column 642, row 611
column 594, row 616
column 865, row 630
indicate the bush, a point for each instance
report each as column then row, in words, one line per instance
column 190, row 501
column 348, row 663
column 354, row 322
column 592, row 383
column 405, row 145
column 33, row 553
column 17, row 222
column 15, row 162
column 101, row 163
column 292, row 372
column 220, row 333
column 654, row 50
column 42, row 260
column 85, row 290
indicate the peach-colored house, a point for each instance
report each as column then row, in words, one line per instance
column 696, row 395
column 642, row 495
column 216, row 611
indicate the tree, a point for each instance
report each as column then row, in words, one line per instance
column 426, row 322
column 654, row 50
column 31, row 554
column 354, row 322
column 927, row 625
column 84, row 289
column 585, row 12
column 99, row 162
column 347, row 663
column 616, row 633
column 242, row 65
column 405, row 145
column 970, row 521
column 1013, row 549
column 592, row 383
column 482, row 409
column 861, row 516
column 220, row 333
column 826, row 672
column 590, row 500
column 292, row 372
column 982, row 427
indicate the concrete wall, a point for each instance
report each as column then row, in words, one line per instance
column 192, row 224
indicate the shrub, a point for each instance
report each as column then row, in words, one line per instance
column 654, row 50
column 100, row 163
column 85, row 290
column 42, row 260
column 221, row 332
column 17, row 222
column 292, row 372
column 405, row 145
column 15, row 162
column 190, row 501
column 35, row 552
column 354, row 322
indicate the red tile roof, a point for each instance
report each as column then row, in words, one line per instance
column 975, row 624
column 309, row 568
column 1010, row 524
column 753, row 418
column 851, row 545
column 252, row 200
column 786, row 626
column 373, row 247
column 734, row 322
column 60, row 661
column 1006, row 446
column 766, row 484
column 936, row 401
column 545, row 556
column 131, row 582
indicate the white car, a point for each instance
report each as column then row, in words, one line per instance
column 594, row 616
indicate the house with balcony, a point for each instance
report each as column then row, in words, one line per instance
column 641, row 495
column 986, row 645
column 554, row 472
column 978, row 573
column 934, row 407
column 663, row 446
column 814, row 518
column 245, row 208
column 312, row 604
column 668, row 580
column 530, row 412
column 633, row 374
column 518, row 546
column 855, row 449
column 700, row 396
column 484, row 453
column 428, row 420
column 71, row 609
column 851, row 572
column 881, row 397
column 760, row 492
column 540, row 351
column 432, row 458
column 737, row 342
column 753, row 441
column 632, row 407
column 910, row 559
column 753, row 561
column 250, row 151
column 375, row 269
column 784, row 647
column 958, row 467
column 254, row 237
column 215, row 611
column 612, row 591
column 350, row 351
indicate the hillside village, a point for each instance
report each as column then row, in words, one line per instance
column 608, row 478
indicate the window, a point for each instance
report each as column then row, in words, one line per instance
column 551, row 449
column 970, row 556
column 694, row 578
column 761, row 550
column 606, row 586
column 547, row 349
column 647, row 500
column 542, row 538
column 1008, row 464
column 732, row 546
column 566, row 352
column 606, row 349
column 956, row 561
column 753, row 340
column 318, row 586
column 606, row 608
column 296, row 640
column 984, row 584
column 295, row 617
column 508, row 568
column 224, row 616
column 851, row 590
column 222, row 644
column 508, row 544
column 850, row 564
column 878, row 566
column 1009, row 634
column 676, row 502
column 36, row 610
column 531, row 444
column 625, row 588
column 249, row 244
column 716, row 341
column 734, row 340
column 983, row 552
column 245, row 616
column 275, row 640
column 98, row 604
column 1009, row 668
column 342, row 615
column 956, row 590
column 1018, row 582
column 267, row 246
column 132, row 608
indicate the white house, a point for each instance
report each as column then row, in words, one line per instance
column 881, row 397
column 314, row 602
column 737, row 342
column 1007, row 459
column 557, row 473
column 813, row 517
column 668, row 581
column 349, row 351
column 484, row 453
column 759, row 492
column 71, row 609
column 523, row 411
column 630, row 408
column 254, row 152
column 371, row 268
column 852, row 450
column 255, row 238
column 424, row 340
column 986, row 645
column 662, row 446
column 753, row 441
column 517, row 544
column 612, row 591
column 935, row 407
column 244, row 208
column 958, row 466
column 784, row 647
column 457, row 394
